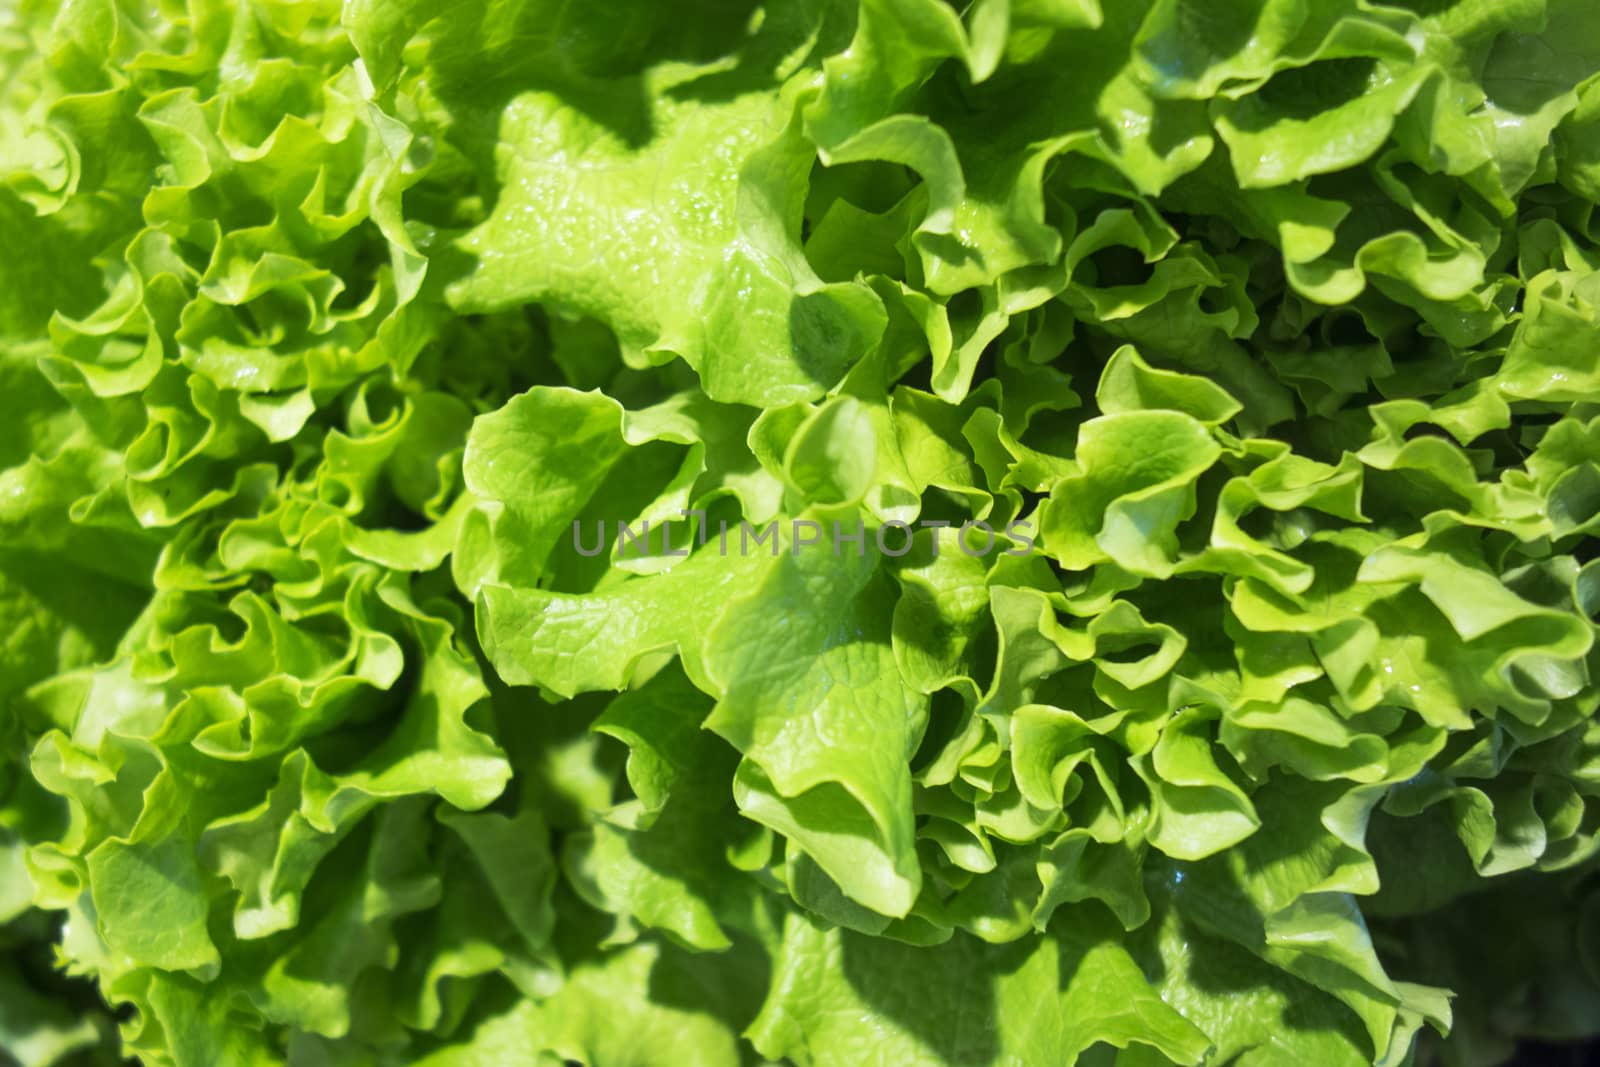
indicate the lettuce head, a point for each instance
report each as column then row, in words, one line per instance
column 837, row 533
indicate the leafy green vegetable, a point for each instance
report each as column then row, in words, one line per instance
column 827, row 532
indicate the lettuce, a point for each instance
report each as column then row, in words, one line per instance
column 812, row 531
